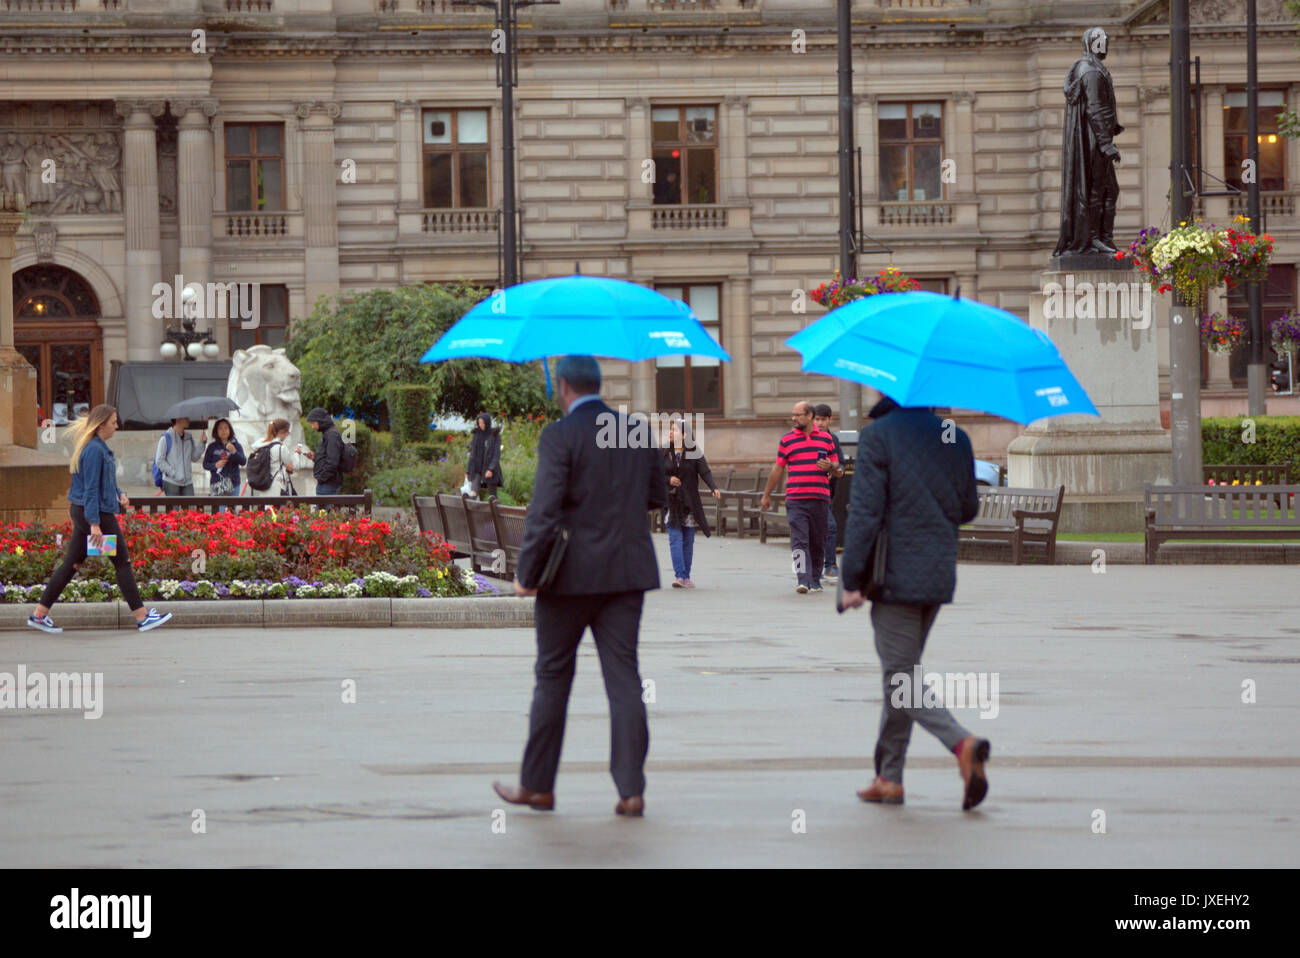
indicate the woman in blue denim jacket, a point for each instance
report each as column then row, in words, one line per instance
column 95, row 501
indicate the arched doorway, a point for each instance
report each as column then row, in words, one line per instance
column 56, row 329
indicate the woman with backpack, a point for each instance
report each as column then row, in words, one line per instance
column 223, row 458
column 271, row 463
column 95, row 502
column 483, row 471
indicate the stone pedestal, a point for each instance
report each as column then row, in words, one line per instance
column 1103, row 322
column 32, row 485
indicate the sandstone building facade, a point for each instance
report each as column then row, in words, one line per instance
column 322, row 146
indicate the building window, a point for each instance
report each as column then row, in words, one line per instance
column 273, row 320
column 455, row 159
column 1272, row 146
column 1277, row 297
column 911, row 152
column 692, row 384
column 685, row 151
column 255, row 166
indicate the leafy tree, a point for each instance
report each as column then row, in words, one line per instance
column 352, row 347
column 1288, row 122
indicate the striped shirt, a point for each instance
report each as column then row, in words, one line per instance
column 799, row 454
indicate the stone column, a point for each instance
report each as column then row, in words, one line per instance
column 734, row 146
column 410, row 138
column 962, row 148
column 864, row 128
column 319, row 198
column 140, row 213
column 1216, row 207
column 17, row 377
column 194, row 200
column 638, row 146
column 1293, row 149
column 737, row 336
column 34, row 484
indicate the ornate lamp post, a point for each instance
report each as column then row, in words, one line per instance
column 187, row 342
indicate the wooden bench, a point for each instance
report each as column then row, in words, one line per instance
column 486, row 553
column 1206, row 512
column 428, row 516
column 1275, row 475
column 1018, row 516
column 771, row 521
column 154, row 504
column 734, row 510
column 510, row 532
column 455, row 524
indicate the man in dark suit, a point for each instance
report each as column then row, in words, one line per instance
column 598, row 475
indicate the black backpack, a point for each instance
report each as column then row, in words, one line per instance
column 348, row 458
column 259, row 467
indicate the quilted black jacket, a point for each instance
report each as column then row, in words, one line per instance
column 919, row 488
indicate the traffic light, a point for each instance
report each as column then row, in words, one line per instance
column 1282, row 375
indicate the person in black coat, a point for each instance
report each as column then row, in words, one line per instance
column 913, row 483
column 685, row 466
column 598, row 475
column 483, row 471
column 223, row 458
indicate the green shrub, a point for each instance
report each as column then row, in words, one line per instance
column 1277, row 442
column 409, row 406
column 394, row 487
column 427, row 451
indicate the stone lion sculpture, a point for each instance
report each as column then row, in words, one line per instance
column 265, row 385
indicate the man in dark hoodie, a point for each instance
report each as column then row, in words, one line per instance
column 914, row 483
column 326, row 458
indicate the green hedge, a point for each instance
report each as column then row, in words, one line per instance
column 1277, row 442
column 409, row 406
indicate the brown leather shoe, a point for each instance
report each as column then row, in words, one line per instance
column 633, row 805
column 883, row 791
column 518, row 795
column 972, row 753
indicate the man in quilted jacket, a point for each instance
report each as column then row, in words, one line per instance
column 914, row 483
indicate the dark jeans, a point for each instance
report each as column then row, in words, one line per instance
column 807, row 519
column 172, row 489
column 328, row 489
column 832, row 533
column 615, row 619
column 76, row 554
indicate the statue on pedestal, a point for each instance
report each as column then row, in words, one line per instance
column 265, row 385
column 1089, row 188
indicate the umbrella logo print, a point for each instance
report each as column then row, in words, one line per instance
column 1055, row 395
column 864, row 370
column 673, row 338
column 473, row 343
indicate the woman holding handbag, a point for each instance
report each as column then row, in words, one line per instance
column 95, row 502
column 222, row 460
column 685, row 466
column 281, row 460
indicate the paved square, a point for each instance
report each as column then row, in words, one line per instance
column 1119, row 692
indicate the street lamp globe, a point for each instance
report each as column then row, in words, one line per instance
column 169, row 351
column 194, row 349
column 210, row 350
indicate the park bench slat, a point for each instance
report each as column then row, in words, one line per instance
column 1206, row 512
column 1017, row 516
column 154, row 504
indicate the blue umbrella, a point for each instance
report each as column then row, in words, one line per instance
column 926, row 349
column 583, row 315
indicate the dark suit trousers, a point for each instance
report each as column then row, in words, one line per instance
column 615, row 619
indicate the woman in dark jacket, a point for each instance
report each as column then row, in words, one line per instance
column 483, row 472
column 95, row 502
column 223, row 458
column 685, row 466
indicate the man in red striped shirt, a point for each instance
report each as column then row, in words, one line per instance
column 808, row 454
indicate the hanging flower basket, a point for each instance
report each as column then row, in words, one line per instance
column 838, row 292
column 1192, row 258
column 1285, row 332
column 1222, row 334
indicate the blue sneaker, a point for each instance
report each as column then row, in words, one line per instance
column 44, row 623
column 153, row 620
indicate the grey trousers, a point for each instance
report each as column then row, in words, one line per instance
column 901, row 631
